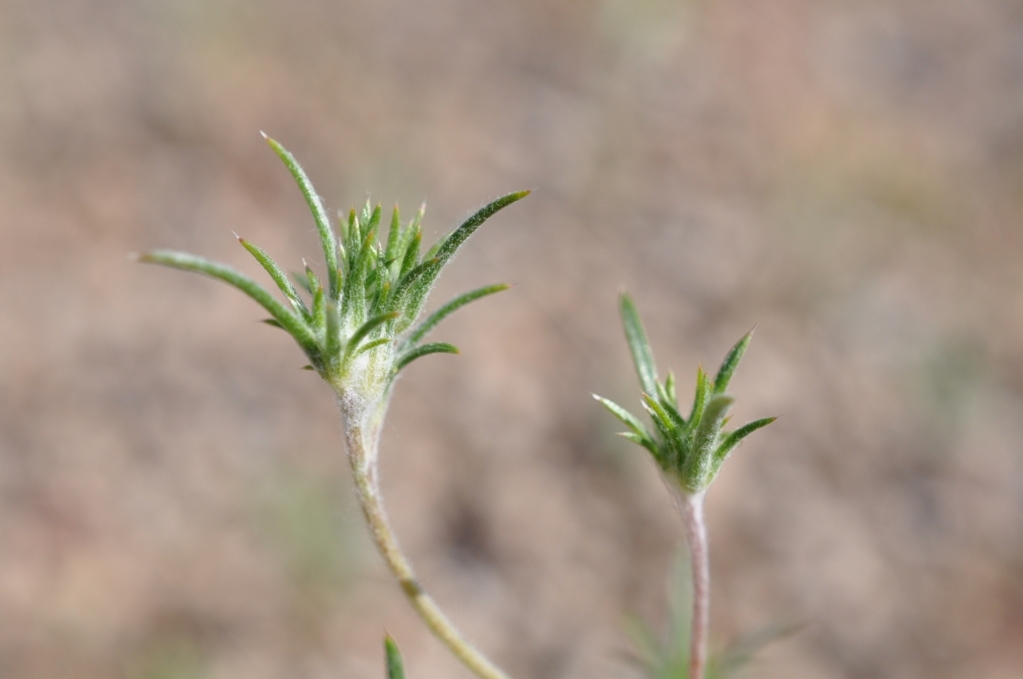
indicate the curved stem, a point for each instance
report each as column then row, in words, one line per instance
column 696, row 536
column 362, row 437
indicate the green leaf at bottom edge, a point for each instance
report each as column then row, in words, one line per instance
column 395, row 666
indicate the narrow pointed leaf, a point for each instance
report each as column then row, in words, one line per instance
column 319, row 214
column 277, row 275
column 408, row 281
column 383, row 295
column 647, row 443
column 459, row 235
column 732, row 439
column 272, row 322
column 395, row 666
column 349, row 233
column 674, row 415
column 393, row 237
column 373, row 223
column 642, row 357
column 410, row 233
column 372, row 345
column 627, row 418
column 311, row 278
column 423, row 350
column 449, row 308
column 415, row 298
column 353, row 301
column 364, row 218
column 662, row 420
column 366, row 328
column 699, row 465
column 288, row 320
column 662, row 393
column 700, row 399
column 361, row 272
column 411, row 257
column 339, row 243
column 730, row 363
column 669, row 388
column 319, row 312
column 332, row 330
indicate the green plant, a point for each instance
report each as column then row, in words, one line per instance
column 392, row 658
column 689, row 450
column 358, row 328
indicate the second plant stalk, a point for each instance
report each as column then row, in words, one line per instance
column 689, row 450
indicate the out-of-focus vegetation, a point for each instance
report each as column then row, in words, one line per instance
column 848, row 176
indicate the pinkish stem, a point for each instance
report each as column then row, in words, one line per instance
column 696, row 535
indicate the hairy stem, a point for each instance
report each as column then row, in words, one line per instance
column 691, row 506
column 362, row 434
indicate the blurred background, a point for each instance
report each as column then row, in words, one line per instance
column 847, row 176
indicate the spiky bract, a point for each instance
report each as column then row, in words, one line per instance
column 690, row 450
column 358, row 326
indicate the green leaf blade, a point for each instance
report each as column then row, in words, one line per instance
column 699, row 465
column 366, row 328
column 332, row 330
column 367, row 346
column 635, row 335
column 278, row 276
column 669, row 389
column 393, row 237
column 319, row 312
column 392, row 656
column 662, row 422
column 411, row 257
column 295, row 326
column 703, row 388
column 730, row 363
column 458, row 236
column 312, row 199
column 436, row 317
column 423, row 350
column 412, row 290
column 733, row 439
column 626, row 418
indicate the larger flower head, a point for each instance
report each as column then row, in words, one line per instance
column 358, row 327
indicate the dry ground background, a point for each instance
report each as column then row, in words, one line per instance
column 174, row 502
